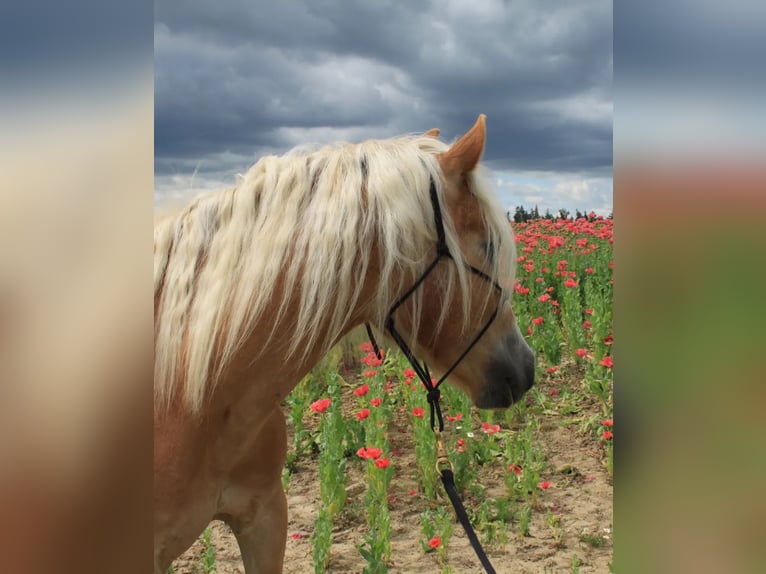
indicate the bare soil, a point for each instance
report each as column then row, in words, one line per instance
column 581, row 495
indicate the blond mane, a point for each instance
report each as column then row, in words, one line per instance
column 299, row 230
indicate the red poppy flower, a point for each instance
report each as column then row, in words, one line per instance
column 369, row 374
column 514, row 469
column 588, row 311
column 607, row 422
column 544, row 485
column 607, row 362
column 570, row 283
column 608, row 340
column 361, row 391
column 586, row 324
column 412, row 492
column 589, row 270
column 543, row 298
column 376, row 402
column 529, row 330
column 538, row 321
column 320, row 406
column 371, row 360
column 457, row 417
column 418, row 412
column 555, row 241
column 363, row 414
column 606, row 435
column 435, row 542
column 382, row 462
column 408, row 374
column 369, row 452
column 529, row 267
column 551, row 370
column 581, row 352
column 366, row 347
column 487, row 428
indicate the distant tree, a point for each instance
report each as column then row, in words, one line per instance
column 521, row 214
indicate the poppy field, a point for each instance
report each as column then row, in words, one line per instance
column 363, row 492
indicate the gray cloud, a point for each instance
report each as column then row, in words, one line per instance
column 247, row 78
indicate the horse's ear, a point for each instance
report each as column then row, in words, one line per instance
column 432, row 133
column 465, row 153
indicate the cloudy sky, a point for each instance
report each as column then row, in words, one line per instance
column 240, row 79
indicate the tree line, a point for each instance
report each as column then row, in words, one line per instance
column 521, row 214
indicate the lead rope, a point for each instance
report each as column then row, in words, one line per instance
column 443, row 465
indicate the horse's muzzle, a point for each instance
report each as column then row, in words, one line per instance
column 508, row 376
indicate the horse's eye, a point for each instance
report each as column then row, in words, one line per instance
column 489, row 249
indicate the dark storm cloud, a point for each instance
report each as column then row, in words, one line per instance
column 247, row 78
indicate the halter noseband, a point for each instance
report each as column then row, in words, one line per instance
column 442, row 251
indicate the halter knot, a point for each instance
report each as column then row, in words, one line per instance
column 434, row 395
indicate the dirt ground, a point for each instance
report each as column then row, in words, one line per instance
column 582, row 495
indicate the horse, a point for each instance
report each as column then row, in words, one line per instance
column 255, row 283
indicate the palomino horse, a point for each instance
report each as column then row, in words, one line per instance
column 254, row 284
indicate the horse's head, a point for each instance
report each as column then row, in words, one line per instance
column 500, row 366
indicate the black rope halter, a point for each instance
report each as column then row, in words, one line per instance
column 434, row 394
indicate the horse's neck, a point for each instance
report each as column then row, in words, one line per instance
column 265, row 361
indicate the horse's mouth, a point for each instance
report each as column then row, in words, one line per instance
column 499, row 396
